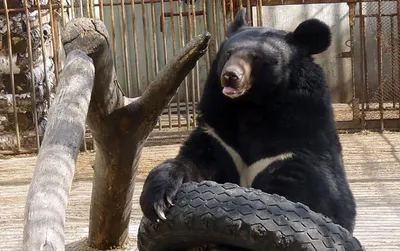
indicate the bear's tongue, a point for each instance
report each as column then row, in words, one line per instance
column 230, row 91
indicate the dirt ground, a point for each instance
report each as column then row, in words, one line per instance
column 151, row 156
column 372, row 163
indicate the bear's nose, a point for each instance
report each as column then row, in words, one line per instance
column 231, row 78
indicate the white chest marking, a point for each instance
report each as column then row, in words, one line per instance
column 247, row 173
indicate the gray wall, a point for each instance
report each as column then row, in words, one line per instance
column 147, row 61
column 338, row 70
column 390, row 53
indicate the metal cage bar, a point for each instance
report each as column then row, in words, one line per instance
column 145, row 37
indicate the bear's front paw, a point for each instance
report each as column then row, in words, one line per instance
column 159, row 190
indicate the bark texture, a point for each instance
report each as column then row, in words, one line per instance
column 52, row 178
column 121, row 125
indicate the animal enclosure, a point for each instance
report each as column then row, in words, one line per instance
column 362, row 65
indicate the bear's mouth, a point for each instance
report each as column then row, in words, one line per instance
column 232, row 92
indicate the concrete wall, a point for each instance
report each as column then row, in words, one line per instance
column 338, row 70
column 147, row 60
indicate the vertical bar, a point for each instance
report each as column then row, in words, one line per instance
column 81, row 7
column 73, row 9
column 398, row 43
column 379, row 45
column 135, row 46
column 10, row 58
column 154, row 29
column 249, row 11
column 56, row 28
column 92, row 15
column 146, row 46
column 178, row 98
column 153, row 22
column 182, row 38
column 392, row 61
column 194, row 72
column 214, row 8
column 62, row 12
column 165, row 55
column 163, row 27
column 206, row 27
column 30, row 53
column 191, row 74
column 352, row 14
column 364, row 68
column 88, row 8
column 87, row 5
column 171, row 9
column 126, row 57
column 102, row 10
column 113, row 32
column 42, row 43
column 259, row 13
column 224, row 14
column 231, row 10
column 197, row 63
column 54, row 39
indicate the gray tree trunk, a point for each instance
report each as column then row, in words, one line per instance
column 120, row 125
column 51, row 182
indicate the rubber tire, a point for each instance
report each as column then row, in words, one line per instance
column 226, row 214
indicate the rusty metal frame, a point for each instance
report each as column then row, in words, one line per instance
column 292, row 2
column 183, row 22
column 25, row 10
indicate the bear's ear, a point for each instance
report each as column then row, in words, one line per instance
column 313, row 35
column 238, row 22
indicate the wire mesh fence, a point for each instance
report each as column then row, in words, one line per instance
column 378, row 71
column 362, row 66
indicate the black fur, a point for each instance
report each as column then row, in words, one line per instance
column 287, row 108
column 238, row 22
column 313, row 35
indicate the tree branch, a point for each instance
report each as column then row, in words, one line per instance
column 140, row 116
column 120, row 125
column 91, row 36
column 51, row 182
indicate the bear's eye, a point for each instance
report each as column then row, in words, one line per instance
column 274, row 61
column 257, row 59
column 228, row 53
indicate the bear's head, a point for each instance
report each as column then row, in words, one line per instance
column 261, row 59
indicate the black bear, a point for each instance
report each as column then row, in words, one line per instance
column 265, row 121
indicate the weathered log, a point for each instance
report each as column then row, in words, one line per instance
column 51, row 182
column 120, row 126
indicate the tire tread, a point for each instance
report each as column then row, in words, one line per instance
column 263, row 221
